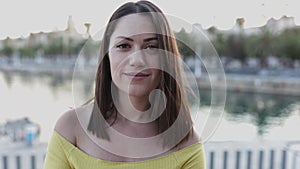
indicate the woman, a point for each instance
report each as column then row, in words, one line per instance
column 139, row 116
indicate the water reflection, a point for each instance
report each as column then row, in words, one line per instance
column 265, row 110
column 49, row 94
column 8, row 78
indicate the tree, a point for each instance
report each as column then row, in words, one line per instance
column 288, row 43
column 235, row 46
column 55, row 48
column 27, row 51
column 260, row 46
column 185, row 43
column 219, row 43
column 7, row 51
column 252, row 46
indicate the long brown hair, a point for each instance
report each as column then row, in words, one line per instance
column 171, row 86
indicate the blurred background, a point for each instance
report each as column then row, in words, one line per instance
column 258, row 43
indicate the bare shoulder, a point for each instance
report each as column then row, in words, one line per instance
column 66, row 125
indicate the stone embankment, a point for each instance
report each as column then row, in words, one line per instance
column 272, row 84
column 253, row 83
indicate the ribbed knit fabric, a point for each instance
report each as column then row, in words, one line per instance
column 61, row 154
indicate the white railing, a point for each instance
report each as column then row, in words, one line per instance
column 252, row 155
column 219, row 155
column 22, row 157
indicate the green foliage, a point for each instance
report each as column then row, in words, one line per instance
column 241, row 46
column 59, row 48
column 219, row 43
column 288, row 44
column 185, row 43
column 77, row 47
column 285, row 44
column 267, row 43
column 260, row 45
column 235, row 46
column 7, row 51
column 90, row 48
column 55, row 48
column 251, row 47
column 27, row 52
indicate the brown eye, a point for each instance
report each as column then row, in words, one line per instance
column 152, row 47
column 123, row 46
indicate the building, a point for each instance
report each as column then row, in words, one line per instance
column 66, row 37
column 276, row 26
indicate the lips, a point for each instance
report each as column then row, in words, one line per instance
column 137, row 75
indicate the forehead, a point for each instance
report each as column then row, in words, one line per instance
column 134, row 24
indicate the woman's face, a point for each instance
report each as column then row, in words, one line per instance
column 134, row 56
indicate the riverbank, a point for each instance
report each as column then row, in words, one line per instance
column 270, row 84
column 254, row 83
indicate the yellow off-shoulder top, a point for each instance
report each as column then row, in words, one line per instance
column 61, row 154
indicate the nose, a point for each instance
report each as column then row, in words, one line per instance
column 137, row 58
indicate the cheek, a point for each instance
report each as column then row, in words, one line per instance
column 113, row 66
column 154, row 63
column 114, row 62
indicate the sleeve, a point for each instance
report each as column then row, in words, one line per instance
column 196, row 161
column 56, row 157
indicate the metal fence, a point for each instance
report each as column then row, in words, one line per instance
column 22, row 157
column 219, row 155
column 249, row 155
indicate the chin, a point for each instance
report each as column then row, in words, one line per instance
column 135, row 92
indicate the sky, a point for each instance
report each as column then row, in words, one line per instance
column 19, row 18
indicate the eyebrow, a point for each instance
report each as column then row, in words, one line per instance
column 124, row 37
column 145, row 40
column 150, row 39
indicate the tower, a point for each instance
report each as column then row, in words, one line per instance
column 87, row 33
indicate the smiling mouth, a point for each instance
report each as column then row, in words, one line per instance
column 137, row 76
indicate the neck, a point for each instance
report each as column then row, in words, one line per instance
column 131, row 112
column 132, row 107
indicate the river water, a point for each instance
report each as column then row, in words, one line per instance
column 43, row 97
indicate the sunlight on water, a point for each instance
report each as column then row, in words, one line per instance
column 36, row 98
column 44, row 97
